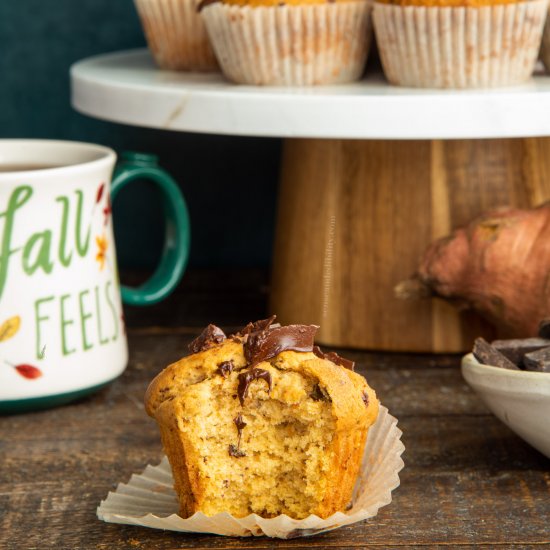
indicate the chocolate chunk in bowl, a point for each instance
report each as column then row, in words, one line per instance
column 486, row 354
column 515, row 349
column 537, row 361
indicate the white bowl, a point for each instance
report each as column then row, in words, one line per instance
column 521, row 399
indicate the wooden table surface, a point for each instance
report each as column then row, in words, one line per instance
column 468, row 480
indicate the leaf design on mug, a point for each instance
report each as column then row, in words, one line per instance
column 102, row 245
column 107, row 212
column 9, row 328
column 100, row 191
column 28, row 371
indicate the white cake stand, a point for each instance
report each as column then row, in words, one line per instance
column 371, row 175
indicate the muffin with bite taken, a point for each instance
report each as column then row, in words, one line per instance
column 262, row 422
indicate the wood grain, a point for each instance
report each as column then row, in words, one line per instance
column 354, row 217
column 469, row 482
column 229, row 297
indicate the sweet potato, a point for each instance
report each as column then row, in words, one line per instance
column 499, row 265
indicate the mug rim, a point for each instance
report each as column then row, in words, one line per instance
column 106, row 154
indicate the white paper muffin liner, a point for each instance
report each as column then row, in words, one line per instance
column 176, row 35
column 545, row 46
column 150, row 501
column 291, row 45
column 459, row 47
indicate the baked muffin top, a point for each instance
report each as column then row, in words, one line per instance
column 259, row 351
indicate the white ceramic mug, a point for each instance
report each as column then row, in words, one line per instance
column 62, row 332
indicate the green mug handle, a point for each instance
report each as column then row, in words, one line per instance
column 178, row 232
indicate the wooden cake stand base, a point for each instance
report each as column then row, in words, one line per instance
column 354, row 217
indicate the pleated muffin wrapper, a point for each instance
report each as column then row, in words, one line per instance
column 176, row 35
column 545, row 46
column 150, row 501
column 459, row 47
column 291, row 45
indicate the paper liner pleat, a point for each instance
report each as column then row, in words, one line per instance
column 459, row 47
column 149, row 500
column 291, row 45
column 545, row 45
column 176, row 35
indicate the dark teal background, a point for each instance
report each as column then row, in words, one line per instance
column 229, row 182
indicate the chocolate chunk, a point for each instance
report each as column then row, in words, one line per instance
column 538, row 361
column 317, row 394
column 225, row 368
column 235, row 451
column 516, row 349
column 256, row 326
column 365, row 398
column 209, row 337
column 488, row 355
column 544, row 328
column 266, row 344
column 335, row 358
column 245, row 379
column 240, row 423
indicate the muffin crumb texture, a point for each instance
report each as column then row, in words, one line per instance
column 282, row 435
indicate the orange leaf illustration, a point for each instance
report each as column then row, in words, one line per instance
column 9, row 328
column 102, row 245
